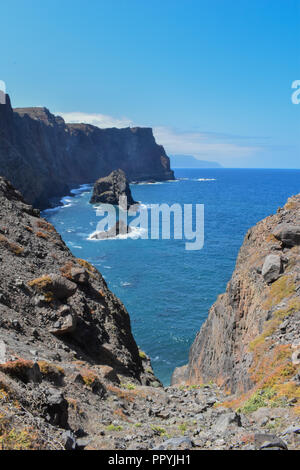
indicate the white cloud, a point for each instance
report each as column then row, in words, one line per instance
column 100, row 120
column 208, row 146
column 200, row 145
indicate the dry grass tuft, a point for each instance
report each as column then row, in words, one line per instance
column 11, row 246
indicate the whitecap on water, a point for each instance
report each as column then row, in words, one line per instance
column 205, row 179
column 136, row 232
column 144, row 183
column 82, row 188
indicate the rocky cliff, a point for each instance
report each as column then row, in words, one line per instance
column 44, row 157
column 250, row 342
column 59, row 323
column 72, row 376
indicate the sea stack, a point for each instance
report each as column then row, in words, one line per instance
column 111, row 188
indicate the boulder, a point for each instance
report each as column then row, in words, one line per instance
column 269, row 441
column 293, row 429
column 54, row 285
column 61, row 287
column 66, row 322
column 288, row 234
column 110, row 189
column 226, row 421
column 69, row 440
column 79, row 275
column 108, row 373
column 82, row 443
column 272, row 268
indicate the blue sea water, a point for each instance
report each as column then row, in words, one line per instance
column 167, row 289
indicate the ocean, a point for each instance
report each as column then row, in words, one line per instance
column 166, row 289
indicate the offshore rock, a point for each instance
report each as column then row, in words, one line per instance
column 111, row 189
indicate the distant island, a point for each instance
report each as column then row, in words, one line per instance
column 188, row 161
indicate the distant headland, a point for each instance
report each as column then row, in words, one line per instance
column 188, row 161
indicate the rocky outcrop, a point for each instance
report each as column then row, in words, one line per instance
column 112, row 189
column 249, row 340
column 44, row 157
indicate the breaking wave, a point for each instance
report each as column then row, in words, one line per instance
column 136, row 232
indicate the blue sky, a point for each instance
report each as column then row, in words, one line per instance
column 213, row 77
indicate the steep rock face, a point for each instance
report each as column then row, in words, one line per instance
column 111, row 188
column 64, row 337
column 252, row 334
column 44, row 157
column 43, row 286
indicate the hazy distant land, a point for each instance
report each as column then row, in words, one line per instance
column 188, row 161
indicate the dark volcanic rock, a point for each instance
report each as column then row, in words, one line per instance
column 111, row 189
column 44, row 157
column 57, row 408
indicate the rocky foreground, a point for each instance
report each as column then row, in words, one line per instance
column 72, row 376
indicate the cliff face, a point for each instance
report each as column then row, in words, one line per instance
column 251, row 339
column 44, row 157
column 64, row 337
column 44, row 287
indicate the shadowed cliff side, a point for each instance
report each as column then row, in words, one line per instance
column 251, row 339
column 44, row 157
